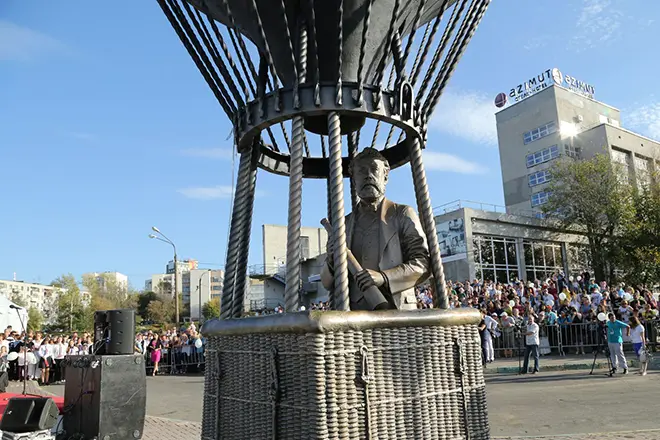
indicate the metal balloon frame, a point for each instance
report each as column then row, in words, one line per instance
column 320, row 67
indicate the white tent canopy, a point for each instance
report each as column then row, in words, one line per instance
column 8, row 316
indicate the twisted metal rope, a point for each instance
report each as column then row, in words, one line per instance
column 336, row 180
column 235, row 235
column 428, row 223
column 317, row 75
column 340, row 43
column 363, row 44
column 246, row 231
column 466, row 32
column 453, row 20
column 352, row 152
column 294, row 66
column 269, row 57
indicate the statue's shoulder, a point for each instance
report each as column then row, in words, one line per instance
column 399, row 208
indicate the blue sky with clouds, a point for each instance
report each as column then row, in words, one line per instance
column 107, row 127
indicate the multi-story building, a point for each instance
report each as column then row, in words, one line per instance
column 555, row 115
column 266, row 289
column 33, row 295
column 105, row 279
column 200, row 286
column 196, row 286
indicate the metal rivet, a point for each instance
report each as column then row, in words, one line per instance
column 136, row 434
column 108, row 362
column 137, row 360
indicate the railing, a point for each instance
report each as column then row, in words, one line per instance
column 186, row 359
column 266, row 270
column 458, row 204
column 566, row 339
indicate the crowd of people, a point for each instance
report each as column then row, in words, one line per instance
column 180, row 352
column 573, row 310
column 40, row 356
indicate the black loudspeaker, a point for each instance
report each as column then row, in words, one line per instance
column 107, row 396
column 28, row 414
column 114, row 331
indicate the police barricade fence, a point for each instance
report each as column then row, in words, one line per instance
column 184, row 359
column 566, row 339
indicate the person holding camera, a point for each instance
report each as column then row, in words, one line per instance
column 531, row 345
column 615, row 341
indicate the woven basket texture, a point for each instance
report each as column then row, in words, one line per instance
column 311, row 386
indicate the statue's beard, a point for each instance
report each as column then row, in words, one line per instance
column 370, row 192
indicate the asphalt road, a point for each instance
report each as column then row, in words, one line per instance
column 544, row 404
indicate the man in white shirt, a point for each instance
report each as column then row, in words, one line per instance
column 531, row 345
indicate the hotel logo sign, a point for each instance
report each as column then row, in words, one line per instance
column 546, row 79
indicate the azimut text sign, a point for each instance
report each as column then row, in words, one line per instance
column 546, row 79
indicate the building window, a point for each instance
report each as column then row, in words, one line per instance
column 621, row 160
column 542, row 156
column 539, row 132
column 642, row 172
column 218, row 287
column 542, row 259
column 495, row 258
column 304, row 247
column 572, row 151
column 540, row 198
column 539, row 178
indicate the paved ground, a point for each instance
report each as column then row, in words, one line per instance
column 547, row 406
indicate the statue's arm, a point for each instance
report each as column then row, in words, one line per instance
column 327, row 277
column 415, row 267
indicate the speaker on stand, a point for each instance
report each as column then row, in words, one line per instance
column 105, row 392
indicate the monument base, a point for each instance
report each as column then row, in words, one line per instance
column 346, row 375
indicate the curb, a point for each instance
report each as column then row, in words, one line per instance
column 599, row 365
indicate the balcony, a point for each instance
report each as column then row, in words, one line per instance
column 490, row 207
column 263, row 271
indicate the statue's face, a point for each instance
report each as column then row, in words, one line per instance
column 370, row 178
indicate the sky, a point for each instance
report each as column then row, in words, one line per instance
column 107, row 128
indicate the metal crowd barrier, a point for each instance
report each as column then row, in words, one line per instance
column 186, row 359
column 565, row 339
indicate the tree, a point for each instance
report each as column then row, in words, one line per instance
column 17, row 299
column 143, row 301
column 161, row 311
column 640, row 238
column 590, row 196
column 211, row 309
column 71, row 313
column 35, row 319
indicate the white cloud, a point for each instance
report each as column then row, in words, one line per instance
column 434, row 161
column 599, row 22
column 468, row 115
column 209, row 153
column 208, row 192
column 18, row 43
column 211, row 192
column 646, row 119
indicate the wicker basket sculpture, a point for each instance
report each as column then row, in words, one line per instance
column 330, row 74
column 345, row 375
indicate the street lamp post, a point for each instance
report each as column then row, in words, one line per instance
column 199, row 291
column 164, row 238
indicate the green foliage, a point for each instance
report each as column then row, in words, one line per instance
column 640, row 238
column 143, row 301
column 17, row 299
column 588, row 195
column 70, row 312
column 35, row 319
column 211, row 309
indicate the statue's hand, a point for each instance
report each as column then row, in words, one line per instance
column 367, row 278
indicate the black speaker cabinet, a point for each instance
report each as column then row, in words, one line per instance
column 114, row 331
column 28, row 414
column 107, row 395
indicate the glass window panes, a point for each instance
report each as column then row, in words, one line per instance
column 540, row 198
column 542, row 156
column 539, row 132
column 542, row 259
column 539, row 178
column 496, row 259
column 572, row 151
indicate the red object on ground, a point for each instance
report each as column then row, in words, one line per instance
column 4, row 401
